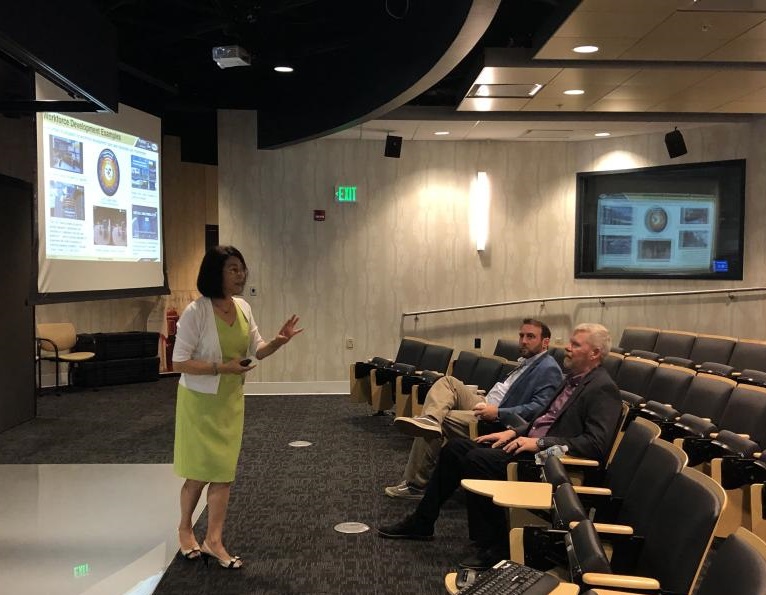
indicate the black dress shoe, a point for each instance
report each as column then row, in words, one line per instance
column 484, row 559
column 412, row 527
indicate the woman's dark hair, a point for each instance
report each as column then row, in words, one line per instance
column 210, row 277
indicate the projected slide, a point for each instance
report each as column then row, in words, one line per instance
column 647, row 232
column 103, row 198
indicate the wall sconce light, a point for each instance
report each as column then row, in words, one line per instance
column 479, row 219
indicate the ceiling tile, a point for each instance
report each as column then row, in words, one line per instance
column 692, row 48
column 583, row 23
column 632, row 6
column 667, row 78
column 628, row 104
column 560, row 48
column 741, row 50
column 757, row 32
column 582, row 78
column 716, row 25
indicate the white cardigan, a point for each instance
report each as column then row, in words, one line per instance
column 197, row 339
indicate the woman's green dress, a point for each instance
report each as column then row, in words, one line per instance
column 209, row 427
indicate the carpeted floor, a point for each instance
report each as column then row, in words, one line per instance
column 285, row 501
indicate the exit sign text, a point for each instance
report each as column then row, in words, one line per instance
column 345, row 193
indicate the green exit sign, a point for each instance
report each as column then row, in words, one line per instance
column 81, row 570
column 345, row 193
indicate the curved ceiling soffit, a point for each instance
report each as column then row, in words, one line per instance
column 276, row 130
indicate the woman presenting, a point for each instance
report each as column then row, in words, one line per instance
column 215, row 342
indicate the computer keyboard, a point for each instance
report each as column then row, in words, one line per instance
column 509, row 578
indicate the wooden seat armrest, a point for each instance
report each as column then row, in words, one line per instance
column 626, row 581
column 578, row 462
column 745, row 436
column 713, row 435
column 473, row 429
column 592, row 491
column 610, row 592
column 757, row 455
column 607, row 528
column 736, row 374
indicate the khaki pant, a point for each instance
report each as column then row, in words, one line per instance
column 450, row 402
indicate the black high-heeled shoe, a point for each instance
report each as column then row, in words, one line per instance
column 191, row 554
column 232, row 563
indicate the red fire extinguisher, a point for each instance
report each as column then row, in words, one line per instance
column 171, row 319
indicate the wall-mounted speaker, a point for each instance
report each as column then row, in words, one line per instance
column 674, row 141
column 393, row 146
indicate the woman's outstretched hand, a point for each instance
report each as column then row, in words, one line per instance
column 288, row 330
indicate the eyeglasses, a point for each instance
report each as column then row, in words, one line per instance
column 236, row 270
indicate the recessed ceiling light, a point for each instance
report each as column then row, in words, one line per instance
column 283, row 68
column 482, row 91
column 585, row 49
column 533, row 91
column 603, row 134
column 442, row 133
column 574, row 92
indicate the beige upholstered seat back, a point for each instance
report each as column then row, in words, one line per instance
column 60, row 333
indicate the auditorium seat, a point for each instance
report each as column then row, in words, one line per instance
column 612, row 363
column 737, row 566
column 635, row 375
column 668, row 385
column 748, row 354
column 674, row 343
column 667, row 553
column 433, row 364
column 676, row 542
column 706, row 397
column 637, row 337
column 558, row 353
column 629, row 496
column 383, row 380
column 507, row 348
column 409, row 353
column 744, row 416
column 710, row 348
column 650, row 355
column 755, row 377
column 486, row 371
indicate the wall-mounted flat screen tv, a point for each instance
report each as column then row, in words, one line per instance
column 673, row 222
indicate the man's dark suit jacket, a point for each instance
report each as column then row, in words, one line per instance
column 588, row 422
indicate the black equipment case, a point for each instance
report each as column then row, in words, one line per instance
column 109, row 346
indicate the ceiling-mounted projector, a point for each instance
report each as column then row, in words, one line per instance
column 228, row 56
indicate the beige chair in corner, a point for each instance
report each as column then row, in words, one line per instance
column 55, row 341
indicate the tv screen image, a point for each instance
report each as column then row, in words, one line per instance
column 683, row 221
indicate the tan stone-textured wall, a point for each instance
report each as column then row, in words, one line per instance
column 405, row 245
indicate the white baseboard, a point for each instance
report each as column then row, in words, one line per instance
column 323, row 387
